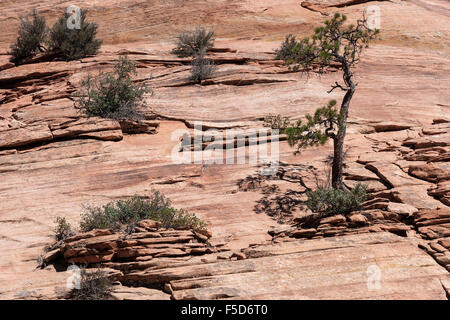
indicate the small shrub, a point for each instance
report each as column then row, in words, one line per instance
column 112, row 95
column 331, row 201
column 63, row 229
column 277, row 122
column 116, row 214
column 286, row 49
column 31, row 36
column 201, row 68
column 74, row 43
column 190, row 44
column 94, row 285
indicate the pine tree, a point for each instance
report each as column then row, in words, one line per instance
column 332, row 43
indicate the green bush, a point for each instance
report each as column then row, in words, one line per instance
column 63, row 229
column 31, row 36
column 331, row 201
column 94, row 285
column 116, row 214
column 112, row 95
column 201, row 68
column 286, row 50
column 191, row 44
column 75, row 43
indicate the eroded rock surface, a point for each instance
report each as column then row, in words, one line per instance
column 53, row 159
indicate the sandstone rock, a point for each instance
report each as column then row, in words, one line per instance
column 149, row 224
column 417, row 196
column 402, row 209
column 429, row 141
column 51, row 255
column 390, row 126
column 136, row 127
column 376, row 203
column 303, row 233
column 191, row 282
column 90, row 234
column 357, row 219
column 437, row 247
column 391, row 174
column 436, row 129
column 373, row 215
column 83, row 126
column 239, row 255
column 91, row 166
column 445, row 243
column 138, row 293
column 443, row 258
column 429, row 154
column 357, row 172
column 372, row 185
column 370, row 157
column 435, row 231
column 26, row 135
column 433, row 172
column 336, row 219
column 430, row 217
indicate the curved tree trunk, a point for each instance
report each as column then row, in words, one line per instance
column 338, row 155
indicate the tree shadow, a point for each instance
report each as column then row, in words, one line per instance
column 276, row 203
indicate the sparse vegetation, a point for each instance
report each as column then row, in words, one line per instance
column 31, row 35
column 63, row 229
column 191, row 44
column 276, row 121
column 125, row 213
column 74, row 43
column 94, row 285
column 61, row 41
column 201, row 68
column 333, row 201
column 112, row 95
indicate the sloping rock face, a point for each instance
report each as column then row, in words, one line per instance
column 53, row 159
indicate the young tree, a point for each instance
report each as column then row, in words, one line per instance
column 332, row 43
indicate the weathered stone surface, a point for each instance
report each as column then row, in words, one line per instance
column 333, row 219
column 402, row 81
column 390, row 126
column 433, row 172
column 402, row 209
column 391, row 174
column 302, row 274
column 148, row 224
column 138, row 293
column 25, row 135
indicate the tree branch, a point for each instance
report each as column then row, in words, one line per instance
column 337, row 85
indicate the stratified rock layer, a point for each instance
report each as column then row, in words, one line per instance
column 53, row 159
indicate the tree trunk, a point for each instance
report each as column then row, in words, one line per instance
column 336, row 173
column 338, row 155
